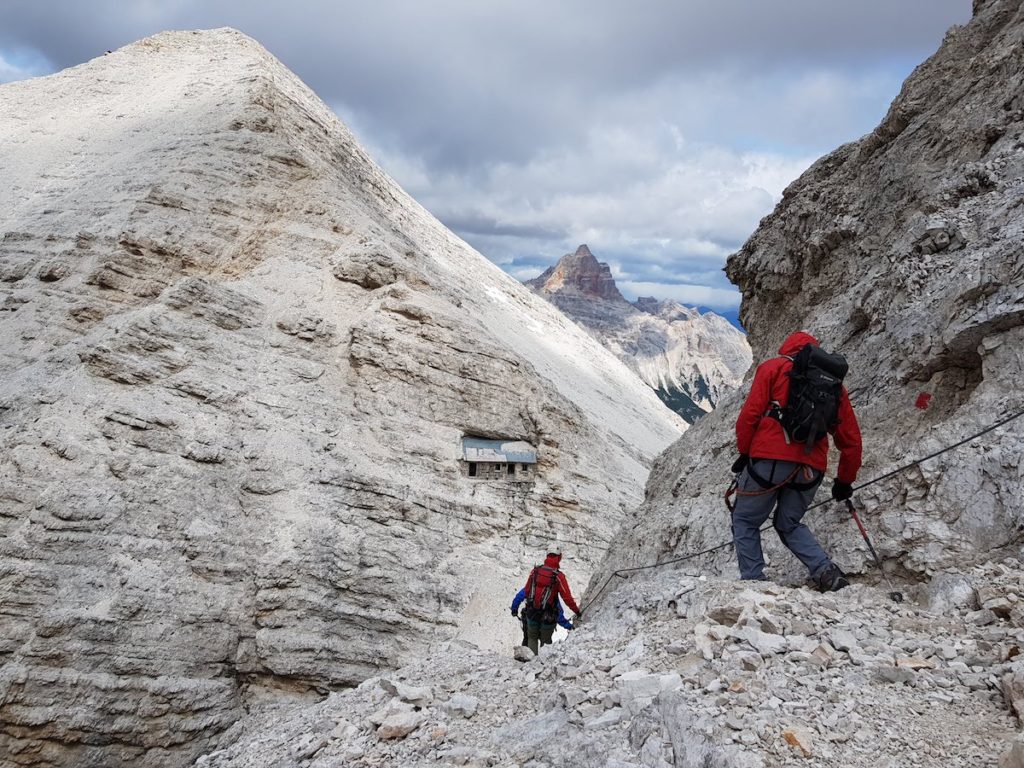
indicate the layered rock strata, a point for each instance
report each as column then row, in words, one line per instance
column 238, row 364
column 578, row 273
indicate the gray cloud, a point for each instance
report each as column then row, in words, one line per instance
column 658, row 132
column 455, row 78
column 475, row 223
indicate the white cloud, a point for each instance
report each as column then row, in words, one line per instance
column 658, row 136
column 716, row 298
column 524, row 273
column 658, row 208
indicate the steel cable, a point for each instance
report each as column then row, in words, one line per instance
column 621, row 572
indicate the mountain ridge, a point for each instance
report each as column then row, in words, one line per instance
column 903, row 251
column 899, row 250
column 689, row 358
column 239, row 363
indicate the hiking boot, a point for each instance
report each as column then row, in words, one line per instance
column 832, row 579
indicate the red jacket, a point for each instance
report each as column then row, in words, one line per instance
column 762, row 437
column 544, row 576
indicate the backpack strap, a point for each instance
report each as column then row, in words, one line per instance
column 531, row 587
column 551, row 589
column 774, row 412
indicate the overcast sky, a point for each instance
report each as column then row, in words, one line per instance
column 658, row 132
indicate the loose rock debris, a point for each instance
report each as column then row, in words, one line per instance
column 734, row 674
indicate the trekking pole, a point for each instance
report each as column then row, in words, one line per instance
column 895, row 595
column 622, row 573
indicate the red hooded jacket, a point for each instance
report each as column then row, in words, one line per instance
column 544, row 576
column 762, row 437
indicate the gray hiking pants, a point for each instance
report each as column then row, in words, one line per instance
column 789, row 505
column 536, row 632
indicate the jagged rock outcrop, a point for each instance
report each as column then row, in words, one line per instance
column 578, row 273
column 903, row 251
column 691, row 360
column 238, row 362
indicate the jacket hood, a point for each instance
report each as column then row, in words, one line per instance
column 795, row 342
column 552, row 561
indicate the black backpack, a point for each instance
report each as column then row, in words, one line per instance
column 815, row 388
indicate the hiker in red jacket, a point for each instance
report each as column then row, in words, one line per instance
column 544, row 586
column 778, row 473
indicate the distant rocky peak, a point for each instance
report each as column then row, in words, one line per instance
column 647, row 304
column 579, row 273
column 669, row 309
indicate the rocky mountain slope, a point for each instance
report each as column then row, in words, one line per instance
column 685, row 671
column 237, row 366
column 691, row 360
column 903, row 250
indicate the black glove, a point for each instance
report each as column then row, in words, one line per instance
column 514, row 612
column 841, row 491
column 740, row 464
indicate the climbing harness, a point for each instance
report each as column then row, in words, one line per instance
column 622, row 572
column 767, row 487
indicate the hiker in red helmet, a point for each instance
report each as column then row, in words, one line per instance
column 780, row 470
column 544, row 586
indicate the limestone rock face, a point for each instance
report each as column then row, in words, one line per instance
column 903, row 251
column 691, row 360
column 237, row 366
column 579, row 273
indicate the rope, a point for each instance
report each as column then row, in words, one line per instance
column 620, row 573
